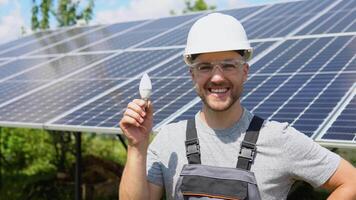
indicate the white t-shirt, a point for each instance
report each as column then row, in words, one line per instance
column 284, row 155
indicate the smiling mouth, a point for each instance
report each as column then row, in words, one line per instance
column 218, row 90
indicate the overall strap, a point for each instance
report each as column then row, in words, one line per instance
column 192, row 143
column 248, row 145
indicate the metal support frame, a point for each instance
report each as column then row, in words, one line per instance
column 122, row 141
column 1, row 142
column 78, row 165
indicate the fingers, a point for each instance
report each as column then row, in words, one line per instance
column 138, row 106
column 127, row 120
column 136, row 113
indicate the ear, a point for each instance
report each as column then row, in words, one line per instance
column 245, row 69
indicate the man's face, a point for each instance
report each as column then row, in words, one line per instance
column 221, row 87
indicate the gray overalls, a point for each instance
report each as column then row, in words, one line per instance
column 199, row 181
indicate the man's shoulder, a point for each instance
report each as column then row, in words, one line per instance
column 274, row 132
column 281, row 133
column 275, row 126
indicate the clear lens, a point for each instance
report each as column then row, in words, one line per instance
column 227, row 66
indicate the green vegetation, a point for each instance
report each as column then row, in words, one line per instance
column 36, row 164
column 66, row 13
column 39, row 165
column 195, row 6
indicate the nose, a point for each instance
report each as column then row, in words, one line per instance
column 217, row 74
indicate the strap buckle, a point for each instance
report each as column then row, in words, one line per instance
column 247, row 150
column 192, row 147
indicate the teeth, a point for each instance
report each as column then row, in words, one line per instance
column 219, row 90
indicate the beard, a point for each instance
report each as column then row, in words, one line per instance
column 216, row 105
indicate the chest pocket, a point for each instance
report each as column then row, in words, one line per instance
column 201, row 182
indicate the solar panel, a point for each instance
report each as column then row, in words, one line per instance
column 90, row 37
column 303, row 71
column 178, row 36
column 48, row 102
column 340, row 18
column 16, row 66
column 148, row 31
column 297, row 95
column 45, row 41
column 343, row 128
column 33, row 78
column 172, row 90
column 27, row 39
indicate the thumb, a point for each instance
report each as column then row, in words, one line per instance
column 149, row 108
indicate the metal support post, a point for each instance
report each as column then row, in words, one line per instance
column 122, row 141
column 1, row 144
column 78, row 166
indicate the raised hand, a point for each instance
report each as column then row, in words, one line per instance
column 137, row 122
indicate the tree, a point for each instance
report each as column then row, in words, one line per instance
column 34, row 20
column 66, row 13
column 198, row 5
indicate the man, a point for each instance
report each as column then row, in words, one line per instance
column 217, row 50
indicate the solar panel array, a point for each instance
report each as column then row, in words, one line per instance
column 81, row 78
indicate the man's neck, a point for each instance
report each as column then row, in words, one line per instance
column 224, row 119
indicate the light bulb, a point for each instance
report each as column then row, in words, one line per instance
column 145, row 87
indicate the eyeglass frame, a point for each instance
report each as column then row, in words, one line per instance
column 236, row 63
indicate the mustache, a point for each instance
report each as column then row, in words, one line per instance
column 222, row 84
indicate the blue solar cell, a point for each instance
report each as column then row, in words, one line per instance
column 12, row 89
column 105, row 112
column 176, row 37
column 332, row 93
column 25, row 39
column 127, row 64
column 242, row 12
column 281, row 19
column 45, row 42
column 52, row 101
column 259, row 47
column 190, row 113
column 140, row 34
column 122, row 96
column 60, row 67
column 88, row 38
column 339, row 19
column 339, row 136
column 42, row 74
column 343, row 128
column 19, row 65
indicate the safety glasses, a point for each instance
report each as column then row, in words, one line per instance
column 226, row 66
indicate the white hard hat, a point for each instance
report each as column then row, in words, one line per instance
column 216, row 32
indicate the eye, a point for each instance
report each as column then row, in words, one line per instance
column 228, row 66
column 204, row 67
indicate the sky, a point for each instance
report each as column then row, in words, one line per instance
column 15, row 14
